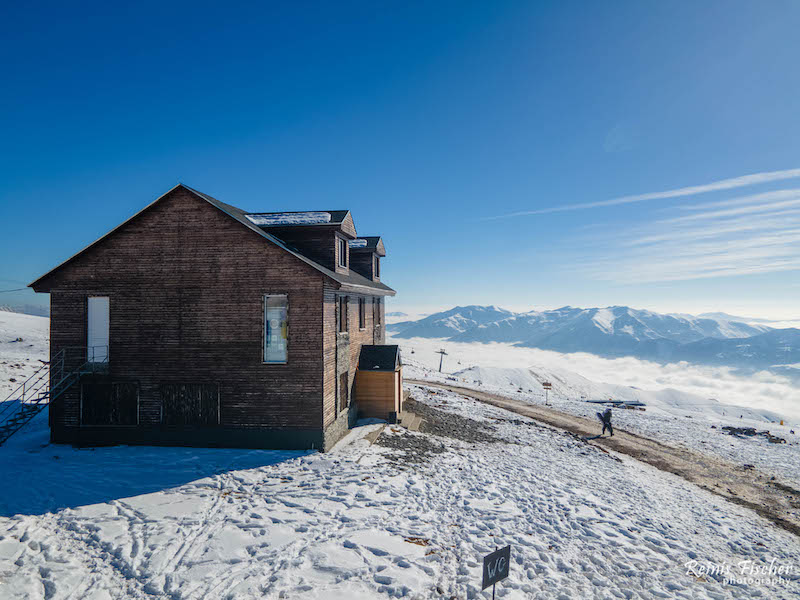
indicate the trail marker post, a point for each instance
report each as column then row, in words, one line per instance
column 495, row 567
column 547, row 387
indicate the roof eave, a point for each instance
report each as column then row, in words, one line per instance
column 101, row 238
column 362, row 289
column 221, row 206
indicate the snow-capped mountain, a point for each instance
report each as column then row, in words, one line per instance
column 455, row 321
column 721, row 316
column 614, row 331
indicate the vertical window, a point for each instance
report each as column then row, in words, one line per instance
column 376, row 311
column 362, row 313
column 97, row 329
column 377, row 266
column 342, row 314
column 344, row 393
column 276, row 328
column 342, row 252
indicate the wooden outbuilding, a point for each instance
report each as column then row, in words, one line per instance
column 379, row 382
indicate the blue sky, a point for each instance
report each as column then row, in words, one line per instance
column 451, row 129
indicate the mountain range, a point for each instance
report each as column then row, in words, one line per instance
column 27, row 309
column 615, row 331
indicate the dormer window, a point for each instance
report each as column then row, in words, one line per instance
column 377, row 267
column 342, row 252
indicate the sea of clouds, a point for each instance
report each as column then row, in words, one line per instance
column 762, row 390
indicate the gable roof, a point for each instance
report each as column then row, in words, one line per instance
column 368, row 243
column 351, row 280
column 379, row 358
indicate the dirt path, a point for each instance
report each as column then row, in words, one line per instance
column 747, row 487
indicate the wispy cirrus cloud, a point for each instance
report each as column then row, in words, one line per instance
column 773, row 195
column 723, row 184
column 742, row 236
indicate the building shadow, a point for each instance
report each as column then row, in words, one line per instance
column 37, row 477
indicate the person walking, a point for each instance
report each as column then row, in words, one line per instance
column 605, row 419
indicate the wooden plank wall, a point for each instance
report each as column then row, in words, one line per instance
column 330, row 371
column 317, row 243
column 363, row 263
column 342, row 350
column 375, row 393
column 186, row 285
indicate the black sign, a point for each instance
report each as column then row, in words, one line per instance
column 495, row 566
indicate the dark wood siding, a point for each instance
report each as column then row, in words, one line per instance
column 186, row 285
column 109, row 404
column 189, row 403
column 363, row 263
column 317, row 243
column 330, row 327
column 342, row 350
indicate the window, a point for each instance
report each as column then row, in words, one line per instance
column 189, row 403
column 276, row 328
column 376, row 310
column 109, row 404
column 377, row 269
column 97, row 329
column 343, row 252
column 344, row 395
column 342, row 314
column 362, row 313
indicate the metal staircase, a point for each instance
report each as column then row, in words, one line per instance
column 45, row 386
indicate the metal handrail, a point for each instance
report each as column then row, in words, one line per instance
column 37, row 385
column 40, row 376
column 47, row 384
column 44, row 366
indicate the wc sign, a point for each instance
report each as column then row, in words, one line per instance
column 495, row 567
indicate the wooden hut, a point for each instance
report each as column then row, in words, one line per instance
column 379, row 382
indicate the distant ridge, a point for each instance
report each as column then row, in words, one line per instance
column 27, row 309
column 616, row 331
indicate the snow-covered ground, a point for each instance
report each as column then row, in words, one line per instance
column 19, row 359
column 676, row 417
column 362, row 522
column 408, row 516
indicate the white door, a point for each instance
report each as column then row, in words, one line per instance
column 97, row 328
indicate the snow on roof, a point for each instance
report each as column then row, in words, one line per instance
column 358, row 243
column 290, row 218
